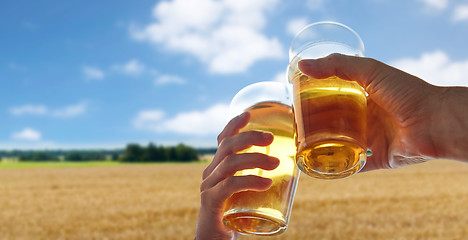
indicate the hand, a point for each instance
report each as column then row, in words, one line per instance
column 219, row 182
column 408, row 120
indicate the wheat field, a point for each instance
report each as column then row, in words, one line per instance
column 161, row 201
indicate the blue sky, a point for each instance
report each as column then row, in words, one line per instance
column 101, row 74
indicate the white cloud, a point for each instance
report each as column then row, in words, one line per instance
column 460, row 13
column 315, row 4
column 226, row 35
column 169, row 79
column 70, row 111
column 132, row 67
column 93, row 73
column 209, row 121
column 27, row 134
column 280, row 77
column 436, row 68
column 29, row 109
column 148, row 119
column 65, row 112
column 435, row 4
column 296, row 25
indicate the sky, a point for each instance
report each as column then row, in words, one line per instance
column 102, row 74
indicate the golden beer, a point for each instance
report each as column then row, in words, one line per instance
column 267, row 212
column 331, row 125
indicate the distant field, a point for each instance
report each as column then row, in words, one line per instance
column 17, row 164
column 64, row 164
column 160, row 201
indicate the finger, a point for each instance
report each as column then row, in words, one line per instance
column 217, row 195
column 343, row 66
column 237, row 162
column 236, row 143
column 396, row 91
column 234, row 126
column 371, row 165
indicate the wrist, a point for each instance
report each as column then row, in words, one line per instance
column 451, row 125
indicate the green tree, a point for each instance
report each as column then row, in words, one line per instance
column 185, row 153
column 133, row 153
column 74, row 157
column 40, row 156
column 94, row 156
column 151, row 154
column 25, row 157
column 172, row 154
column 163, row 153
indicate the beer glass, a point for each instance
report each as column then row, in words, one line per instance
column 266, row 212
column 330, row 113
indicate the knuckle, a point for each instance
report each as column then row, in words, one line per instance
column 221, row 143
column 226, row 146
column 205, row 174
column 229, row 182
column 229, row 162
column 202, row 187
column 231, row 165
column 205, row 198
column 334, row 57
column 208, row 170
column 220, row 138
column 370, row 61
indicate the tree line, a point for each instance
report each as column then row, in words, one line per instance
column 63, row 155
column 153, row 153
column 131, row 153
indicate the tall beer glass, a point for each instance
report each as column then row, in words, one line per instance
column 330, row 113
column 266, row 212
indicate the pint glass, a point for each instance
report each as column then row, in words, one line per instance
column 266, row 212
column 330, row 113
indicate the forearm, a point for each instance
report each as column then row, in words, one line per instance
column 453, row 124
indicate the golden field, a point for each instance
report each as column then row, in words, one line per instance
column 160, row 201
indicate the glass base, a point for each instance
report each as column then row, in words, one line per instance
column 254, row 222
column 332, row 160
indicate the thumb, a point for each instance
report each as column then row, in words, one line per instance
column 394, row 90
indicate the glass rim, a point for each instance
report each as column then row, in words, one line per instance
column 361, row 47
column 281, row 90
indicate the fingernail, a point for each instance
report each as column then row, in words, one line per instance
column 274, row 160
column 305, row 62
column 268, row 135
column 243, row 115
